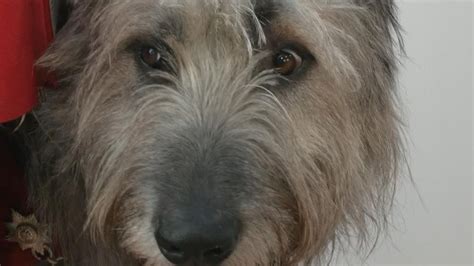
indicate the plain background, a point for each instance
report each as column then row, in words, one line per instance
column 437, row 92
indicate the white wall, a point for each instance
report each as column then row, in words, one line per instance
column 437, row 90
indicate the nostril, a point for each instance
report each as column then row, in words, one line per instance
column 171, row 252
column 173, row 249
column 174, row 255
column 215, row 254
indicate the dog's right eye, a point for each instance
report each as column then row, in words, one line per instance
column 152, row 57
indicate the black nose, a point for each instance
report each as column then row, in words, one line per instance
column 198, row 236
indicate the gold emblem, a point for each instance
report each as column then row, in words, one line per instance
column 30, row 234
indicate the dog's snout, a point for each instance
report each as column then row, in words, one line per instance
column 198, row 236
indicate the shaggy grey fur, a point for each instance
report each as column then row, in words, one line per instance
column 320, row 148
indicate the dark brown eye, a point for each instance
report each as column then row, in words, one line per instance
column 287, row 62
column 151, row 57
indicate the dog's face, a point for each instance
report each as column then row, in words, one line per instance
column 222, row 132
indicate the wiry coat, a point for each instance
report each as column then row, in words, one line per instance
column 320, row 148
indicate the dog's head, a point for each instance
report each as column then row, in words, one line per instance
column 243, row 132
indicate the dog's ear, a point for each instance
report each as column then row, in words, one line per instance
column 384, row 14
column 70, row 43
column 60, row 12
column 385, row 9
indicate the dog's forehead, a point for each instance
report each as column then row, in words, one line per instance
column 174, row 10
column 187, row 19
column 216, row 4
column 235, row 23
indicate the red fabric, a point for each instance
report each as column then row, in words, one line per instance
column 12, row 196
column 25, row 32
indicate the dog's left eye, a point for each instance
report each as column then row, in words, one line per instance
column 287, row 61
column 152, row 57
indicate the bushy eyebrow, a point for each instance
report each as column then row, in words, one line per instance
column 265, row 10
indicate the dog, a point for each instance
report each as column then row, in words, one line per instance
column 217, row 132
